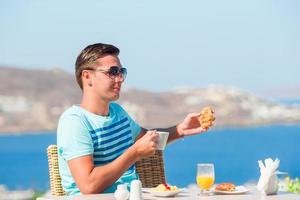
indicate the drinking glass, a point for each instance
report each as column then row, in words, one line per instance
column 205, row 177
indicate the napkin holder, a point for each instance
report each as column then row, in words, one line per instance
column 271, row 187
column 268, row 181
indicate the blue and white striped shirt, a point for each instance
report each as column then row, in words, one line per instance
column 83, row 133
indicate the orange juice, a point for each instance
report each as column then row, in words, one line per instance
column 205, row 182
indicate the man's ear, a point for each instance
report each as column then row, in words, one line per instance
column 86, row 78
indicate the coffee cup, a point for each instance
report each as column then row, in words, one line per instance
column 162, row 139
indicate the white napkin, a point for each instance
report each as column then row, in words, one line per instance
column 268, row 181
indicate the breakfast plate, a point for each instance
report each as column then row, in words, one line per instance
column 159, row 193
column 238, row 190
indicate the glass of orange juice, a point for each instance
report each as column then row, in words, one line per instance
column 205, row 177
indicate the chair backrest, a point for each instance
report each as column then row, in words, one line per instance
column 55, row 179
column 151, row 170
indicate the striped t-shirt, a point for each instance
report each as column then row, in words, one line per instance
column 81, row 133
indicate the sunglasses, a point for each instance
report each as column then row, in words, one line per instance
column 113, row 71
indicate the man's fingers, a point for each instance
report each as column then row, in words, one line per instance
column 153, row 144
column 152, row 136
column 151, row 133
column 193, row 115
column 194, row 131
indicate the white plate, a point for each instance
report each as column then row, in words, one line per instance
column 238, row 190
column 162, row 193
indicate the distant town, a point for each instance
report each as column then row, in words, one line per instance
column 32, row 101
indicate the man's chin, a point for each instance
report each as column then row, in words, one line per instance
column 115, row 97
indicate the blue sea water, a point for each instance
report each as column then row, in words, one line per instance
column 235, row 152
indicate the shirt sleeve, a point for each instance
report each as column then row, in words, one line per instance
column 73, row 138
column 135, row 128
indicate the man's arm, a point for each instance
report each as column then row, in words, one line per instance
column 91, row 179
column 173, row 133
column 189, row 126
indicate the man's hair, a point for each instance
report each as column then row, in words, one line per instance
column 89, row 55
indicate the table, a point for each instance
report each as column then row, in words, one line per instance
column 191, row 193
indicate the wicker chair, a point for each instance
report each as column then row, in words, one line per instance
column 151, row 171
column 55, row 179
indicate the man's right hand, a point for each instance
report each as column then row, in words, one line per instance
column 146, row 145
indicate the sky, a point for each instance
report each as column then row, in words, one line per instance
column 253, row 45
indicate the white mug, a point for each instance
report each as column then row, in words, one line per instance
column 162, row 139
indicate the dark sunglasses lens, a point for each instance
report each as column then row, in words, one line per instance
column 124, row 72
column 113, row 71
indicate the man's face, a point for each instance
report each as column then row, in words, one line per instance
column 104, row 84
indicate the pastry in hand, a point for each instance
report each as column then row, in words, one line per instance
column 225, row 187
column 206, row 118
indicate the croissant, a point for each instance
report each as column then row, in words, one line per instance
column 225, row 187
column 206, row 118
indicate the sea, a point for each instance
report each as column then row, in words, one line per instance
column 233, row 151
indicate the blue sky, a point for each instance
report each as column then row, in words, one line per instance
column 254, row 45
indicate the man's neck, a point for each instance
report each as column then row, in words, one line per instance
column 95, row 105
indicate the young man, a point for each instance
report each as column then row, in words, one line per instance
column 98, row 142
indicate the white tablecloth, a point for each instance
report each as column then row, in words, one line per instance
column 191, row 193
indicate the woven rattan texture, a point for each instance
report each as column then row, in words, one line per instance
column 55, row 179
column 151, row 170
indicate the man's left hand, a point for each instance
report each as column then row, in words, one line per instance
column 190, row 125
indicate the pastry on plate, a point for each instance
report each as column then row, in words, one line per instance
column 166, row 187
column 225, row 187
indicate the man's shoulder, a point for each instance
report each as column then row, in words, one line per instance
column 114, row 105
column 73, row 111
column 117, row 107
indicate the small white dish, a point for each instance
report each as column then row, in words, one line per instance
column 162, row 193
column 238, row 190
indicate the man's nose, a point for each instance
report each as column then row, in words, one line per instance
column 119, row 78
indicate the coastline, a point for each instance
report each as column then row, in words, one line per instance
column 27, row 132
column 30, row 150
column 44, row 131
